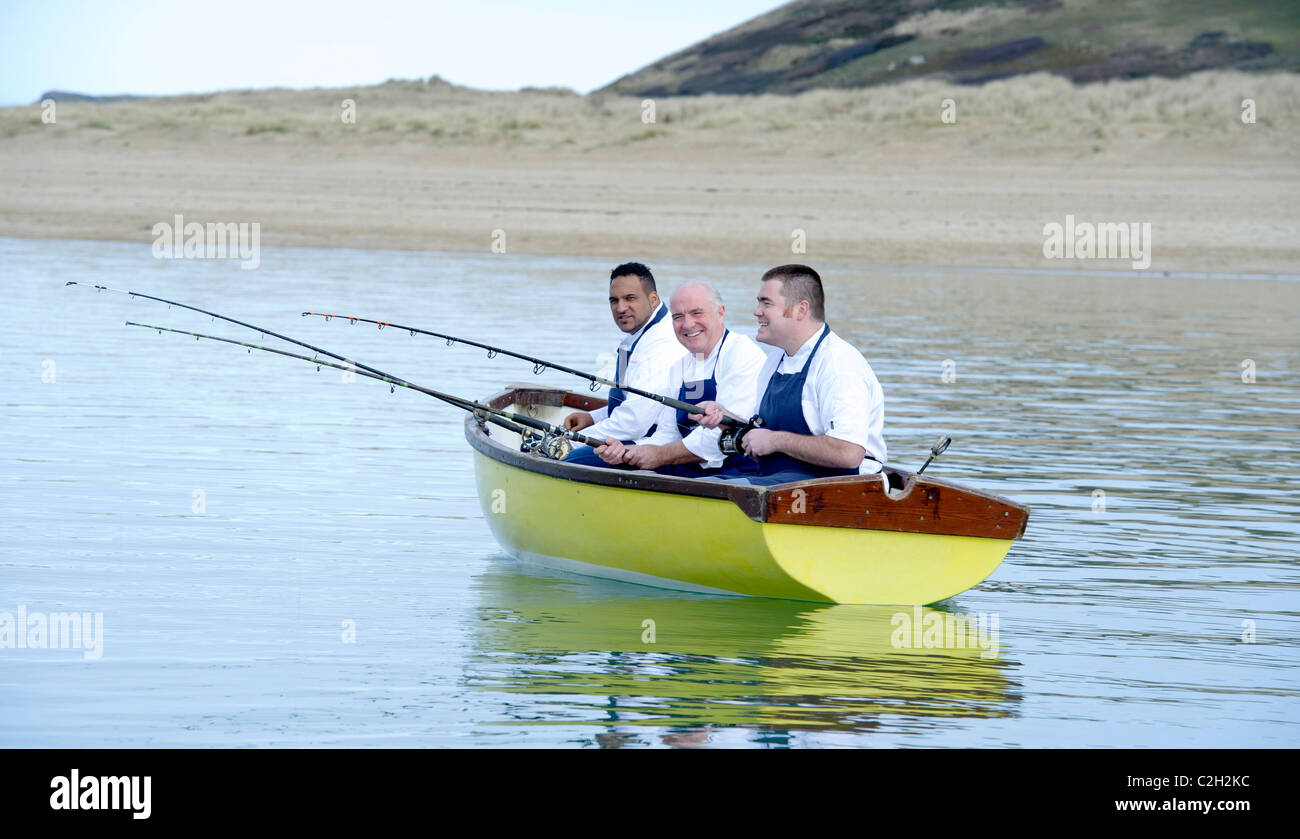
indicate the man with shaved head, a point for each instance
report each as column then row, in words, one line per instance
column 721, row 366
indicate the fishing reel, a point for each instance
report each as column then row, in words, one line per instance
column 729, row 442
column 552, row 445
column 556, row 446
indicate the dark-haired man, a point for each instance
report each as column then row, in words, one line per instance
column 821, row 404
column 645, row 356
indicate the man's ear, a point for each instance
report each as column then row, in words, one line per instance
column 654, row 300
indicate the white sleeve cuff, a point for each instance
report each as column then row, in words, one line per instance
column 849, row 435
column 703, row 443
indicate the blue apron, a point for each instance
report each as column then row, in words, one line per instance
column 704, row 390
column 782, row 410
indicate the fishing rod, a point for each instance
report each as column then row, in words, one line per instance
column 540, row 365
column 552, row 433
column 353, row 366
column 260, row 329
column 522, row 425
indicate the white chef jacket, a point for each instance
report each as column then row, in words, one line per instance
column 841, row 396
column 648, row 368
column 736, row 362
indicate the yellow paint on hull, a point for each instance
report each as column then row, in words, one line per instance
column 741, row 662
column 691, row 542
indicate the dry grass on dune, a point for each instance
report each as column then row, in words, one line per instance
column 870, row 175
column 1028, row 112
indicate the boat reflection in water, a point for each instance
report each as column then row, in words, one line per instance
column 634, row 659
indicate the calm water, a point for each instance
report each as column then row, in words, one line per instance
column 229, row 513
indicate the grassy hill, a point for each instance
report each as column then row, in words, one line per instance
column 810, row 44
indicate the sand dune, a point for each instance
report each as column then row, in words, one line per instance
column 867, row 175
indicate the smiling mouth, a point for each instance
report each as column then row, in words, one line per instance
column 692, row 334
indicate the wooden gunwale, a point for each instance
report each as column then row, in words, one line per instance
column 865, row 502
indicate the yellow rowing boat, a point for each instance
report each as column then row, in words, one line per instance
column 891, row 538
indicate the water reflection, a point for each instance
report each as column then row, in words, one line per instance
column 579, row 651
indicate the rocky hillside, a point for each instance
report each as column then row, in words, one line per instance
column 812, row 44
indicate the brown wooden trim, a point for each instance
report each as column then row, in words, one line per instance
column 583, row 402
column 550, row 397
column 925, row 505
column 922, row 505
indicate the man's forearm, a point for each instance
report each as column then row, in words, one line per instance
column 820, row 450
column 676, row 453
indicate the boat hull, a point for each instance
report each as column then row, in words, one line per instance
column 709, row 544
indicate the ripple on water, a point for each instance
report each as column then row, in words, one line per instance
column 1165, row 495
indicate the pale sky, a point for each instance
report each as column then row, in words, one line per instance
column 179, row 46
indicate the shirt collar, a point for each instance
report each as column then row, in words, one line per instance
column 801, row 354
column 629, row 339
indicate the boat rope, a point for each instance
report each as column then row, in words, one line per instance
column 539, row 365
column 940, row 446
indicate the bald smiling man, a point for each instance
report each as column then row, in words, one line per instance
column 719, row 365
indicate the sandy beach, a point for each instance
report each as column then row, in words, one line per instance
column 867, row 175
